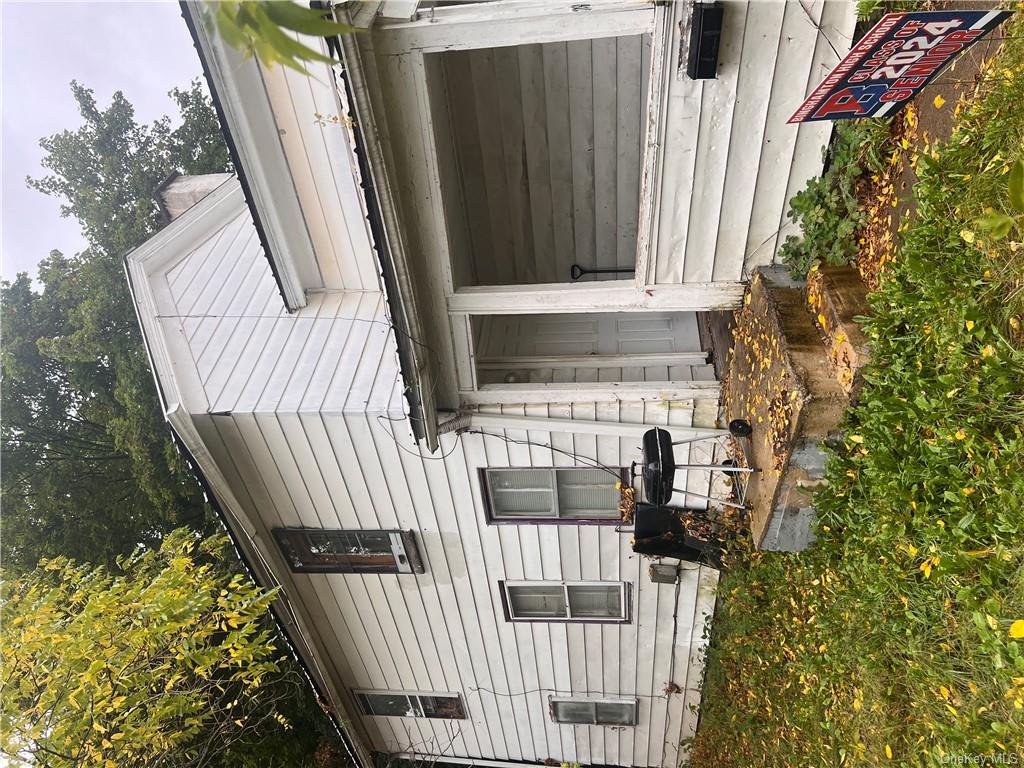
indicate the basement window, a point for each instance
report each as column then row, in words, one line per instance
column 550, row 495
column 593, row 711
column 446, row 706
column 318, row 550
column 586, row 601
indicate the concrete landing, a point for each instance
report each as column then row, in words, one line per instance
column 782, row 379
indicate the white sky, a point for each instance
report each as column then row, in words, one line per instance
column 140, row 48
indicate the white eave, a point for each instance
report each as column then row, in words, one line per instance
column 244, row 106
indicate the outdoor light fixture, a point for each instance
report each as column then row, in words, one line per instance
column 705, row 36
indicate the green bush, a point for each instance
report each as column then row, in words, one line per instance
column 828, row 210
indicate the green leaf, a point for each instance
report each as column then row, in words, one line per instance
column 305, row 20
column 996, row 224
column 287, row 47
column 1015, row 186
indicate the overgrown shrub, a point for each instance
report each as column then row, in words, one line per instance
column 828, row 210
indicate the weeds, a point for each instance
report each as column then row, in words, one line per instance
column 828, row 210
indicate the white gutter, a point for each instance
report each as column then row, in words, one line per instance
column 543, row 424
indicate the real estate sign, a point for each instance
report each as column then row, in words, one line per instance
column 896, row 59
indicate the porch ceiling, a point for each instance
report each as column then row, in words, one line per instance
column 540, row 157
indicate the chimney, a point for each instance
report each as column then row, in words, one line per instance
column 178, row 193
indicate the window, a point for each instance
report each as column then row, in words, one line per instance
column 593, row 711
column 552, row 495
column 401, row 704
column 597, row 601
column 316, row 550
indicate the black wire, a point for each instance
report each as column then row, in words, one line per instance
column 394, row 438
column 477, row 689
column 817, row 26
column 593, row 463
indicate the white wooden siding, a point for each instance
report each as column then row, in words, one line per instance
column 311, row 119
column 303, row 416
column 445, row 629
column 729, row 162
column 726, row 162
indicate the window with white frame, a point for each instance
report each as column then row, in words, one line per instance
column 592, row 601
column 318, row 550
column 553, row 494
column 594, row 711
column 407, row 704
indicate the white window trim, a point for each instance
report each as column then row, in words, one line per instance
column 634, row 703
column 622, row 618
column 556, row 516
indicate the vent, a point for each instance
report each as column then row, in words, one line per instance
column 662, row 574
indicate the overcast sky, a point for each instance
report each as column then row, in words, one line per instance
column 140, row 48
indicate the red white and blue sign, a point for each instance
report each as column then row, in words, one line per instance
column 896, row 59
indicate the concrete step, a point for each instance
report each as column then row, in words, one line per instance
column 836, row 296
column 781, row 380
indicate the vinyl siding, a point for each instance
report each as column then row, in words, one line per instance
column 303, row 415
column 310, row 112
column 445, row 630
column 540, row 157
column 730, row 163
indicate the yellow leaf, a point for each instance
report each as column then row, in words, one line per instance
column 888, row 751
column 1017, row 629
column 911, row 549
column 856, row 439
column 938, row 101
column 967, row 235
column 969, row 325
column 988, row 351
column 991, row 620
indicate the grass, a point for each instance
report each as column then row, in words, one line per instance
column 892, row 640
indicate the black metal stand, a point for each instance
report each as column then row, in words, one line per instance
column 659, row 466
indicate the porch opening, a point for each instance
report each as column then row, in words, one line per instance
column 540, row 150
column 590, row 347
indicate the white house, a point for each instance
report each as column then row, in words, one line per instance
column 411, row 417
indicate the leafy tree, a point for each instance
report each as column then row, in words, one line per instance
column 163, row 660
column 90, row 472
column 89, row 468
